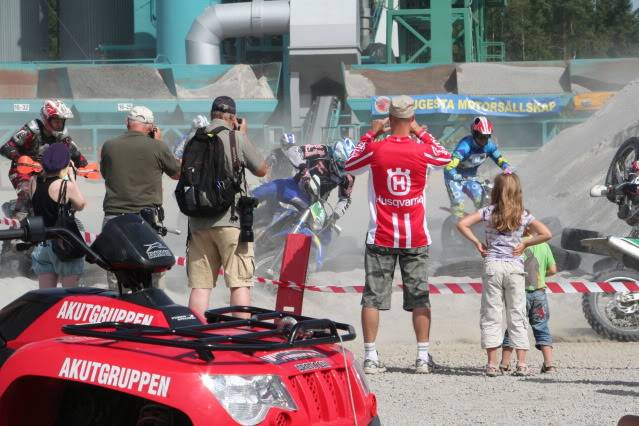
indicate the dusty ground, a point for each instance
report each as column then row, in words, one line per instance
column 596, row 384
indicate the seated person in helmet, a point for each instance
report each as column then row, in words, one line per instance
column 31, row 140
column 280, row 166
column 470, row 153
column 324, row 161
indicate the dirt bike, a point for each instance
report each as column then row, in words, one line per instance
column 614, row 315
column 15, row 256
column 452, row 242
column 315, row 221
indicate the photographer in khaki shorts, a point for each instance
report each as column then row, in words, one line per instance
column 214, row 242
column 397, row 232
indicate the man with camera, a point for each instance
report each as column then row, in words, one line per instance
column 132, row 166
column 225, row 239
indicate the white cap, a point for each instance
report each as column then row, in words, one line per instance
column 141, row 114
column 402, row 107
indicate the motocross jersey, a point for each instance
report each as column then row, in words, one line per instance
column 468, row 156
column 398, row 167
column 279, row 164
column 315, row 160
column 30, row 140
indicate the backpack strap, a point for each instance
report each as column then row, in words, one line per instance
column 62, row 195
column 235, row 159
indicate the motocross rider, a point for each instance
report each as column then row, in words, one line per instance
column 470, row 153
column 31, row 140
column 198, row 122
column 280, row 166
column 323, row 161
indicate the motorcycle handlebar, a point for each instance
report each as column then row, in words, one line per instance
column 33, row 230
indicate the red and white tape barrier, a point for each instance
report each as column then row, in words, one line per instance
column 10, row 222
column 561, row 286
column 557, row 287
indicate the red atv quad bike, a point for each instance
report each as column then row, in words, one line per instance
column 88, row 356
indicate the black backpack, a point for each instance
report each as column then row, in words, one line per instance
column 205, row 188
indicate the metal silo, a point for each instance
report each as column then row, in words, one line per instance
column 174, row 21
column 84, row 25
column 24, row 34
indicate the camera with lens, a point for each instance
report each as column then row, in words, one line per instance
column 154, row 216
column 245, row 207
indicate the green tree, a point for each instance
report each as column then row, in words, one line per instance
column 568, row 29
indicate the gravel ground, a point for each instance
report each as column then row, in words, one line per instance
column 596, row 384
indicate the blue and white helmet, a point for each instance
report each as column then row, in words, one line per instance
column 287, row 140
column 342, row 150
column 198, row 122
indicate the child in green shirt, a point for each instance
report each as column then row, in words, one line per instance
column 539, row 263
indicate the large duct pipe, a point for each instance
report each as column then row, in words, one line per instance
column 221, row 21
column 365, row 23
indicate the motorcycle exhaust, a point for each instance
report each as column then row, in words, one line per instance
column 599, row 191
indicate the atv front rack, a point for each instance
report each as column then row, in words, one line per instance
column 266, row 330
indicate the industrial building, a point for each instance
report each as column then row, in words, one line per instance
column 321, row 68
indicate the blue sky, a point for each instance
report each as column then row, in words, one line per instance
column 635, row 3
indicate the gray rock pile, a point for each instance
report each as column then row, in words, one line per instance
column 557, row 178
column 239, row 82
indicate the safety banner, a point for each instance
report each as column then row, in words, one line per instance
column 504, row 106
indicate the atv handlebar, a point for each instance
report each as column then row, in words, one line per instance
column 32, row 230
column 12, row 234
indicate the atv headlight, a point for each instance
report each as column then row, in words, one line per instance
column 249, row 398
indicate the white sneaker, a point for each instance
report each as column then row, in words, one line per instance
column 373, row 367
column 424, row 367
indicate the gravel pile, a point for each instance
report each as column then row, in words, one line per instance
column 18, row 84
column 109, row 82
column 578, row 158
column 367, row 83
column 239, row 82
column 498, row 79
column 604, row 75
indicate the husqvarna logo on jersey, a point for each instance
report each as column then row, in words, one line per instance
column 398, row 181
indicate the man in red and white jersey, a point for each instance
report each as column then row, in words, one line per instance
column 398, row 168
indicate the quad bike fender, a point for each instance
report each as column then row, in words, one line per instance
column 47, row 317
column 51, row 364
column 169, row 376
